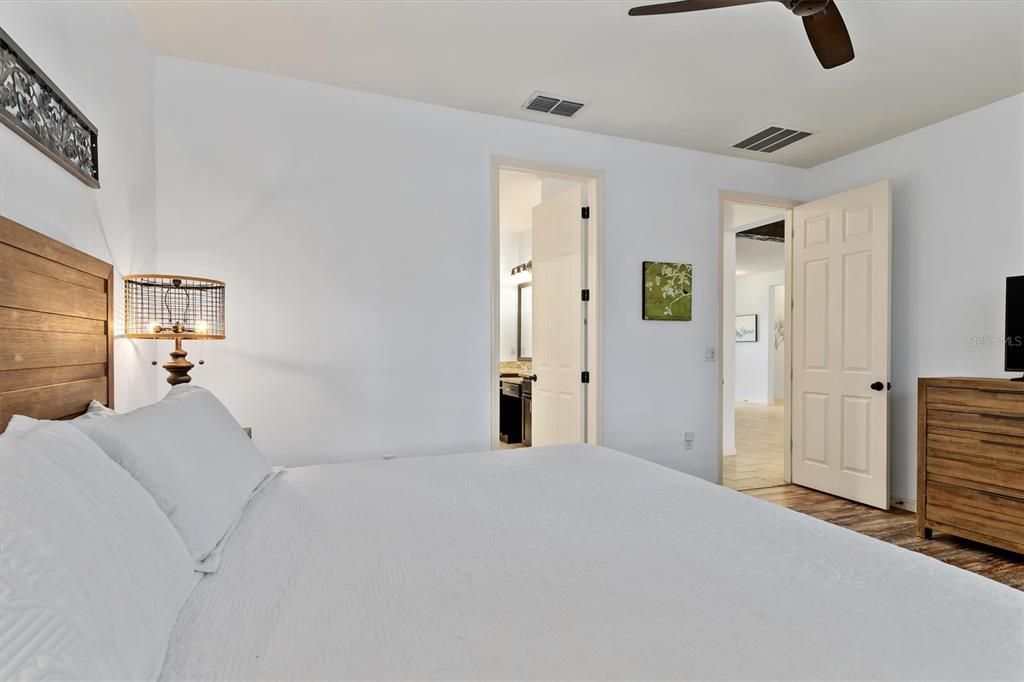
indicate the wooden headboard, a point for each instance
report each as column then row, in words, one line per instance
column 56, row 327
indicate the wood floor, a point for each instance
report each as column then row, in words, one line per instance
column 758, row 459
column 899, row 528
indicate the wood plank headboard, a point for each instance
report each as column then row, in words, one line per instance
column 56, row 327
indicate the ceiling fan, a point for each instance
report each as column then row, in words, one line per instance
column 824, row 24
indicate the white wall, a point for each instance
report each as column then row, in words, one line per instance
column 96, row 54
column 353, row 233
column 958, row 231
column 754, row 366
column 373, row 212
column 552, row 187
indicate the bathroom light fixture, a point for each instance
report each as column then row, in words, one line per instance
column 522, row 269
column 174, row 307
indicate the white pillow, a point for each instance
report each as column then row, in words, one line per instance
column 96, row 409
column 20, row 422
column 92, row 574
column 193, row 458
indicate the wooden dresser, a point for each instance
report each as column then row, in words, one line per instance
column 970, row 460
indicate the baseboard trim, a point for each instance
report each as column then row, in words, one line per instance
column 897, row 502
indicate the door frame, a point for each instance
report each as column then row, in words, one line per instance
column 786, row 205
column 593, row 183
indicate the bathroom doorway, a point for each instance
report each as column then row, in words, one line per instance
column 545, row 327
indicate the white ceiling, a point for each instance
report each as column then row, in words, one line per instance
column 703, row 80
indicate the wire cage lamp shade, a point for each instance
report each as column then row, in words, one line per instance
column 173, row 307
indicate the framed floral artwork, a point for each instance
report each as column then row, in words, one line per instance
column 746, row 329
column 668, row 291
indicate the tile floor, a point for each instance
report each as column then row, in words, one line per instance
column 758, row 459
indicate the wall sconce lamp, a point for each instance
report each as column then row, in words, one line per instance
column 174, row 307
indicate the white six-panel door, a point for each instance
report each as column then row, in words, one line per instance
column 840, row 344
column 558, row 319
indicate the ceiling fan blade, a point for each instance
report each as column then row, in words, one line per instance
column 828, row 35
column 689, row 6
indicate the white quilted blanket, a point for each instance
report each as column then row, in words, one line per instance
column 573, row 562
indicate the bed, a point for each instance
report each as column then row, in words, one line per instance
column 572, row 562
column 567, row 562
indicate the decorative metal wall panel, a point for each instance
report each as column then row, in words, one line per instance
column 32, row 106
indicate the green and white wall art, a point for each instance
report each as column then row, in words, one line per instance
column 668, row 291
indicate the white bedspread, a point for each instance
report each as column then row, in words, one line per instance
column 572, row 562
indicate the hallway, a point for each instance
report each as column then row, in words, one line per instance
column 758, row 459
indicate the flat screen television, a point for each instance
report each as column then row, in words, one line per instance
column 1015, row 325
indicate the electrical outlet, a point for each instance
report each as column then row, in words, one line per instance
column 688, row 440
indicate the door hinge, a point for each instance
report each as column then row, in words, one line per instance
column 585, row 295
column 585, row 377
column 586, row 213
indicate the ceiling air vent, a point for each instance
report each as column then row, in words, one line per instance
column 772, row 139
column 550, row 104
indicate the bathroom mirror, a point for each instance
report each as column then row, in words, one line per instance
column 525, row 321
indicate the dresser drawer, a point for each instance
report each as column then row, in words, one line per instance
column 970, row 466
column 996, row 516
column 1007, row 403
column 977, row 457
column 975, row 421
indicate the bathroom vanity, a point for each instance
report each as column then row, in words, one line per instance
column 515, row 409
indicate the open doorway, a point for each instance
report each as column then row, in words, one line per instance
column 835, row 342
column 545, row 335
column 753, row 355
column 759, row 344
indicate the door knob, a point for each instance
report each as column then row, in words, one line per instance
column 877, row 386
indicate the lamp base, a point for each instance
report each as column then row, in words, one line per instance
column 178, row 367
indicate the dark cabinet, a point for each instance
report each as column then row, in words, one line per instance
column 515, row 410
